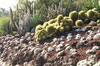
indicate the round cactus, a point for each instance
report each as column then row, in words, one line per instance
column 70, row 22
column 82, row 15
column 94, row 9
column 38, row 27
column 61, row 29
column 98, row 21
column 45, row 24
column 67, row 28
column 73, row 15
column 79, row 23
column 59, row 18
column 66, row 17
column 41, row 35
column 90, row 14
column 62, row 24
column 86, row 20
column 51, row 21
column 97, row 15
column 51, row 30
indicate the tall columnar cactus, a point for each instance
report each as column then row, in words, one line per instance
column 11, row 20
column 24, row 23
column 21, row 19
column 55, row 10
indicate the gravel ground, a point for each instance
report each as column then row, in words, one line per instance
column 66, row 49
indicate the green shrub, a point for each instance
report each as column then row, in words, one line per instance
column 37, row 19
column 4, row 25
column 90, row 4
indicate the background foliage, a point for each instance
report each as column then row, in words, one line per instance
column 4, row 25
column 42, row 10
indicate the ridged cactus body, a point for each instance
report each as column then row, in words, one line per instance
column 73, row 15
column 82, row 15
column 79, row 23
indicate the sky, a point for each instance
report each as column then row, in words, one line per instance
column 8, row 3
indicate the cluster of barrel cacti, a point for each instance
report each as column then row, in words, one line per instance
column 82, row 17
column 64, row 23
column 52, row 27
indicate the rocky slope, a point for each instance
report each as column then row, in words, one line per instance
column 78, row 47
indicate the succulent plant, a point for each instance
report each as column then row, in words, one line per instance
column 61, row 29
column 90, row 13
column 45, row 24
column 98, row 21
column 82, row 15
column 59, row 18
column 51, row 30
column 73, row 15
column 38, row 27
column 52, row 21
column 67, row 28
column 93, row 23
column 79, row 23
column 86, row 20
column 93, row 15
column 41, row 35
column 94, row 9
column 70, row 22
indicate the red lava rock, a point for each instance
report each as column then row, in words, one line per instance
column 98, row 54
column 93, row 23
